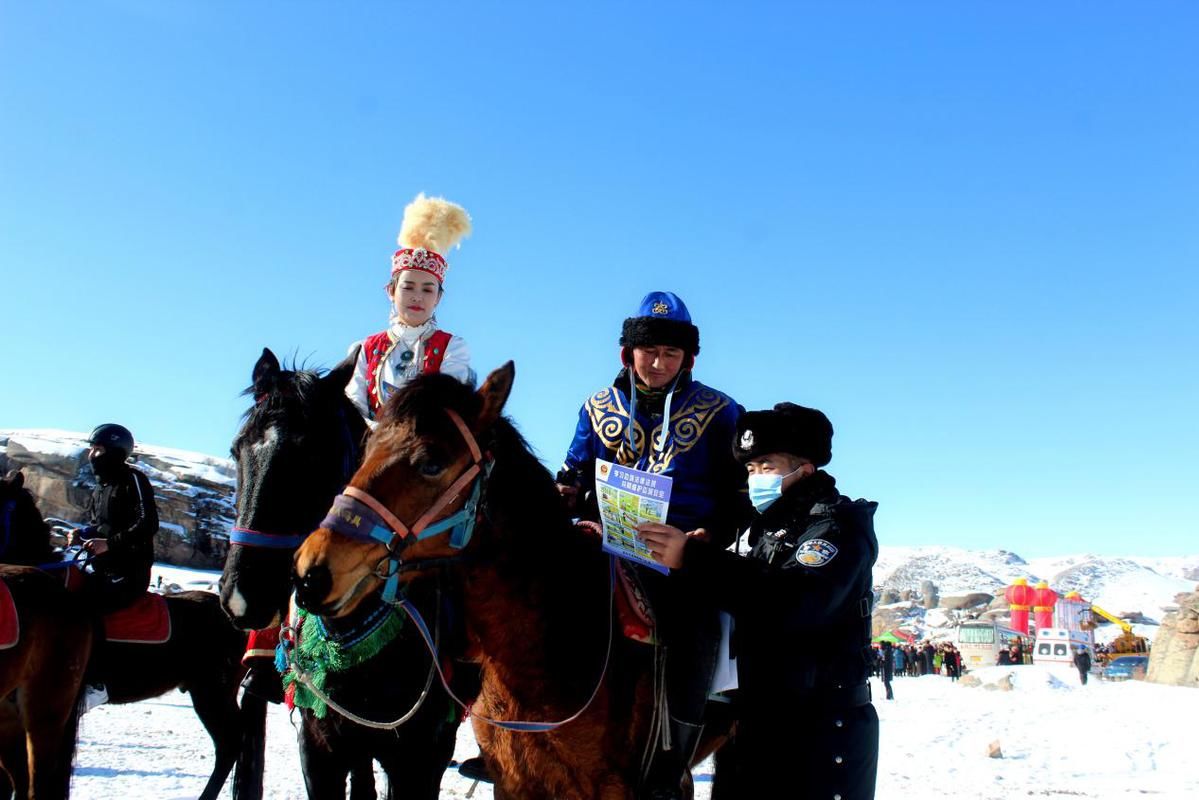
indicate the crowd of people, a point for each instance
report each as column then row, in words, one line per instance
column 914, row 660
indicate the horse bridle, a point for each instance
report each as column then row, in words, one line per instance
column 273, row 540
column 357, row 515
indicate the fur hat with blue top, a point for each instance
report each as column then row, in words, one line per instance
column 788, row 428
column 662, row 320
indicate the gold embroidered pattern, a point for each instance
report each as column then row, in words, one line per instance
column 609, row 420
column 686, row 426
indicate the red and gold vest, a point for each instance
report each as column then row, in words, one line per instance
column 379, row 346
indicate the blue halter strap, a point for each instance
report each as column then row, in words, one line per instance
column 248, row 537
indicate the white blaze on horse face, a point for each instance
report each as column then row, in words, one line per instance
column 237, row 603
column 270, row 439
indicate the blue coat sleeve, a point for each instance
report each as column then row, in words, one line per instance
column 581, row 454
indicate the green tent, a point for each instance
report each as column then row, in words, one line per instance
column 887, row 637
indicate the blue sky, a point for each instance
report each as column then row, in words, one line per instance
column 967, row 234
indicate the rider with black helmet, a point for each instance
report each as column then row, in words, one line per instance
column 123, row 522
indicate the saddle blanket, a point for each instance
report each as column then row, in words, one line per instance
column 632, row 606
column 147, row 621
column 261, row 644
column 10, row 624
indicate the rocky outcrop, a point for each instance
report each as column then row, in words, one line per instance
column 964, row 601
column 1174, row 659
column 194, row 492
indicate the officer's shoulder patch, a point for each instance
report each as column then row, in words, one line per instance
column 815, row 552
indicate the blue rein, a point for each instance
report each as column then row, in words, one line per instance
column 247, row 537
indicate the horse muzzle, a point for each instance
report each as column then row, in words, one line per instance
column 331, row 580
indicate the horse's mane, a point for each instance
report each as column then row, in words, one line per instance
column 521, row 494
column 29, row 537
column 293, row 396
column 530, row 537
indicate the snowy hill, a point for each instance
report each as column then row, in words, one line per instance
column 1121, row 585
column 1137, row 589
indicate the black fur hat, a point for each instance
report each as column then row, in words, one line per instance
column 662, row 320
column 789, row 428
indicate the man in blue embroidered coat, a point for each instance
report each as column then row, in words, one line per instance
column 679, row 428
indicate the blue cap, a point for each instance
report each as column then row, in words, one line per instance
column 661, row 319
column 664, row 305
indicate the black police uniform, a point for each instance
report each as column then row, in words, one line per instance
column 123, row 513
column 802, row 603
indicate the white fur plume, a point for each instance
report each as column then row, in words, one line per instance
column 434, row 223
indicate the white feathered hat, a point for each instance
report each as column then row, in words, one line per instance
column 431, row 227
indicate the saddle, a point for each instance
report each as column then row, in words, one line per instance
column 633, row 610
column 146, row 621
column 261, row 644
column 10, row 623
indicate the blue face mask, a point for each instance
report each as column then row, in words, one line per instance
column 765, row 489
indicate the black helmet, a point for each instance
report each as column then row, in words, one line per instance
column 114, row 438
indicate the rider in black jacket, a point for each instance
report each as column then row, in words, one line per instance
column 123, row 522
column 801, row 603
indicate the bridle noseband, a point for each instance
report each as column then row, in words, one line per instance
column 358, row 515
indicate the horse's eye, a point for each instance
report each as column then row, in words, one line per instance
column 430, row 469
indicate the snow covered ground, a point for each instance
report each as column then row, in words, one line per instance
column 1103, row 740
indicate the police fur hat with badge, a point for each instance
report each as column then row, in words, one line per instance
column 787, row 428
column 662, row 320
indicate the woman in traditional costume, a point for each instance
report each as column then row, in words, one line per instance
column 413, row 344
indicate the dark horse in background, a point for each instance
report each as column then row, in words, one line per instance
column 536, row 593
column 299, row 444
column 202, row 657
column 41, row 676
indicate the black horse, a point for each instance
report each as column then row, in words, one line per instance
column 299, row 444
column 201, row 657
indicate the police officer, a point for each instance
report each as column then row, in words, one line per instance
column 805, row 591
column 123, row 522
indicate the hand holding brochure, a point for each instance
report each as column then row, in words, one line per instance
column 628, row 497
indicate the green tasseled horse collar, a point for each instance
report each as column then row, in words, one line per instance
column 318, row 653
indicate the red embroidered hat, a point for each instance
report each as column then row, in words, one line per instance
column 432, row 225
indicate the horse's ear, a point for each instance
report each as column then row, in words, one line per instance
column 15, row 478
column 266, row 372
column 339, row 377
column 494, row 393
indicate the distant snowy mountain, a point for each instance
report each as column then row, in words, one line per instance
column 1121, row 585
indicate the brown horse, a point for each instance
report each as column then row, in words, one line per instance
column 536, row 591
column 41, row 675
column 201, row 657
